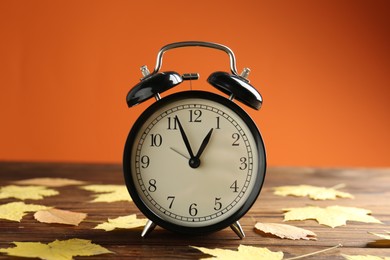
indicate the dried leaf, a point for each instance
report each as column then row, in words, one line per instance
column 60, row 216
column 57, row 250
column 244, row 252
column 26, row 192
column 313, row 192
column 332, row 216
column 109, row 193
column 364, row 257
column 387, row 237
column 15, row 211
column 383, row 242
column 286, row 231
column 127, row 222
column 50, row 182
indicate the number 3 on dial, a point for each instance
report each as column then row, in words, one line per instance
column 194, row 162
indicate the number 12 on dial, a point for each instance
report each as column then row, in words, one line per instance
column 194, row 162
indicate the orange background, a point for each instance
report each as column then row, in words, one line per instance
column 321, row 66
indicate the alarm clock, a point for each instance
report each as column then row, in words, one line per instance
column 194, row 162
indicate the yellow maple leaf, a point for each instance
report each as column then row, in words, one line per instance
column 364, row 257
column 26, row 192
column 313, row 192
column 387, row 237
column 109, row 193
column 127, row 222
column 15, row 211
column 243, row 252
column 57, row 250
column 60, row 216
column 50, row 182
column 383, row 242
column 285, row 231
column 332, row 216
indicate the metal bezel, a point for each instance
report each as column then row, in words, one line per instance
column 127, row 157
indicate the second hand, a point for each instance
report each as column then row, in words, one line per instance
column 185, row 156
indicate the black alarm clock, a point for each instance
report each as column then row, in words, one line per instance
column 194, row 162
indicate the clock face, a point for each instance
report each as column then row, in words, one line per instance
column 194, row 161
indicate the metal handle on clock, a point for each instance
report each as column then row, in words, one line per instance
column 196, row 44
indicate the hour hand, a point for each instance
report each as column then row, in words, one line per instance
column 204, row 143
column 185, row 139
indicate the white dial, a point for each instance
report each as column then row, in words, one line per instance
column 194, row 162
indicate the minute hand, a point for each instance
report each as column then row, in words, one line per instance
column 185, row 139
column 204, row 143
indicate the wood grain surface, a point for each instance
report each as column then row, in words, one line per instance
column 369, row 186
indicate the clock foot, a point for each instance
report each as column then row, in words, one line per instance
column 238, row 229
column 148, row 228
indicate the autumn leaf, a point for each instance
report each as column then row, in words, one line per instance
column 383, row 242
column 332, row 216
column 57, row 250
column 313, row 192
column 364, row 257
column 285, row 231
column 109, row 193
column 50, row 182
column 26, row 192
column 387, row 237
column 127, row 222
column 60, row 216
column 244, row 252
column 15, row 211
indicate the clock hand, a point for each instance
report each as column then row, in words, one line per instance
column 185, row 156
column 185, row 139
column 204, row 143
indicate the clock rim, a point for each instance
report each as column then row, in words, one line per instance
column 260, row 174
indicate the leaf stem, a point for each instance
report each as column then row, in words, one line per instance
column 92, row 221
column 315, row 253
column 338, row 186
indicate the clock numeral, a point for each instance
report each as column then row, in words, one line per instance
column 218, row 119
column 234, row 187
column 172, row 199
column 195, row 116
column 193, row 210
column 235, row 137
column 152, row 185
column 145, row 161
column 172, row 123
column 155, row 140
column 218, row 204
column 244, row 164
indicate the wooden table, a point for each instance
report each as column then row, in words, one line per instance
column 369, row 186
